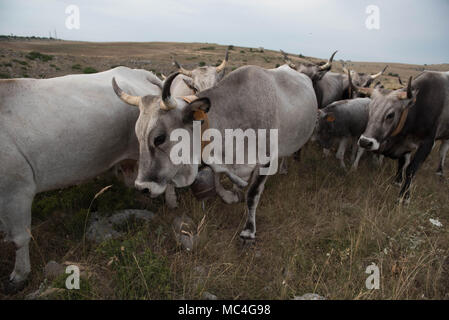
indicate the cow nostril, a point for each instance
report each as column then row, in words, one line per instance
column 145, row 190
column 364, row 143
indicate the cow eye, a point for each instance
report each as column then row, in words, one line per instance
column 390, row 116
column 159, row 140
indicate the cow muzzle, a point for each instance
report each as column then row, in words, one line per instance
column 370, row 144
column 153, row 188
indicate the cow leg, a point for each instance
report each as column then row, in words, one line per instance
column 403, row 163
column 283, row 169
column 255, row 190
column 15, row 215
column 233, row 177
column 360, row 152
column 170, row 197
column 420, row 156
column 354, row 151
column 17, row 190
column 443, row 152
column 341, row 151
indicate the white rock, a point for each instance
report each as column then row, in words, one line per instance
column 435, row 222
column 209, row 296
column 101, row 228
column 309, row 296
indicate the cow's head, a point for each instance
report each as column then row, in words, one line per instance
column 363, row 80
column 203, row 78
column 388, row 112
column 159, row 116
column 325, row 128
column 314, row 71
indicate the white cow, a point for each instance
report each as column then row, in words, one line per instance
column 58, row 132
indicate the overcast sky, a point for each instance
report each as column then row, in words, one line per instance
column 410, row 31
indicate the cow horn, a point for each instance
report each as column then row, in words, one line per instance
column 366, row 91
column 408, row 94
column 328, row 65
column 351, row 86
column 223, row 64
column 183, row 71
column 377, row 75
column 168, row 102
column 132, row 100
column 288, row 61
column 409, row 88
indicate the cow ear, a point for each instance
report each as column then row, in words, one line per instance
column 196, row 110
column 330, row 117
column 413, row 97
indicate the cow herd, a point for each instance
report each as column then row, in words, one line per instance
column 61, row 131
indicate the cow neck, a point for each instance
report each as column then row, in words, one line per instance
column 199, row 115
column 401, row 123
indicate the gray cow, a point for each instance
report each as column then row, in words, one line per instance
column 199, row 79
column 343, row 121
column 248, row 98
column 190, row 82
column 405, row 119
column 56, row 133
column 331, row 86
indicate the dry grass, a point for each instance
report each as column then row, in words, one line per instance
column 319, row 227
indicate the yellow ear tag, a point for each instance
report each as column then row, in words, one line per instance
column 330, row 118
column 199, row 115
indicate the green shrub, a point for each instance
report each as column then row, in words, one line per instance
column 208, row 48
column 90, row 70
column 7, row 64
column 202, row 63
column 24, row 63
column 33, row 55
column 4, row 76
column 76, row 67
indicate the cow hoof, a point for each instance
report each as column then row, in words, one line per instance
column 247, row 235
column 11, row 287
